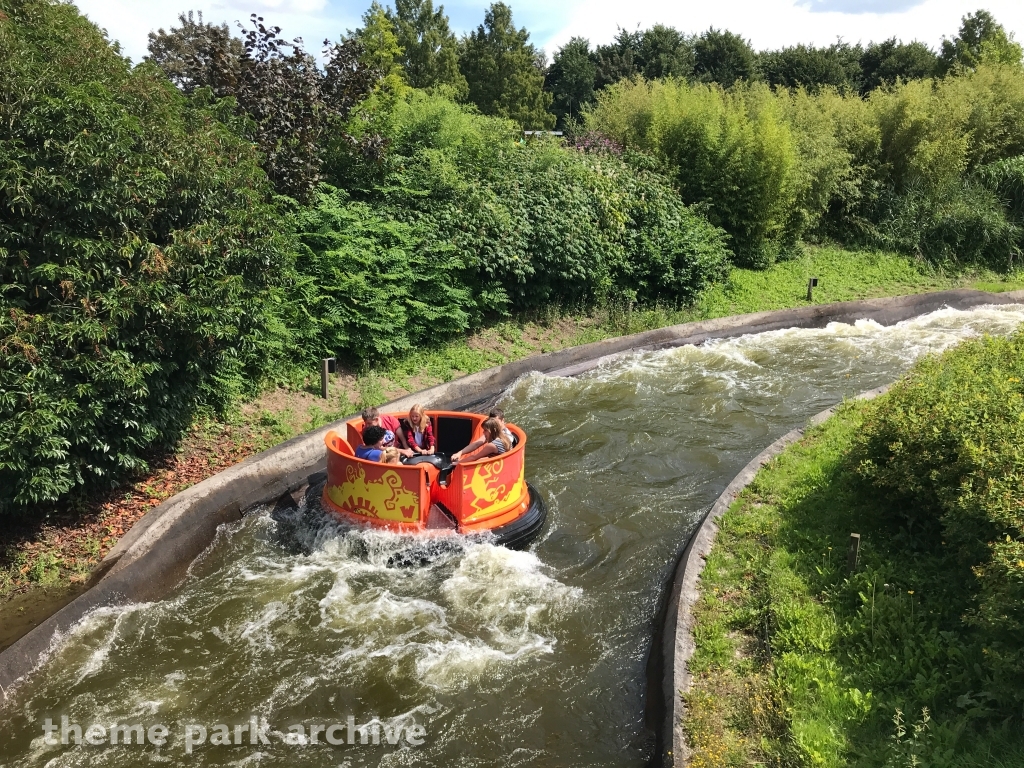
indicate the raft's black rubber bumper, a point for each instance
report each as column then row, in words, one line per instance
column 521, row 531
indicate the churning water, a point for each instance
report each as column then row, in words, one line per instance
column 504, row 658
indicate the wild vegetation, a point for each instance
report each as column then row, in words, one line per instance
column 183, row 232
column 915, row 659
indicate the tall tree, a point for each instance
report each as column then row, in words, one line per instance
column 198, row 55
column 664, row 52
column 836, row 66
column 294, row 105
column 722, row 57
column 617, row 60
column 654, row 53
column 570, row 79
column 888, row 61
column 982, row 40
column 381, row 52
column 430, row 51
column 500, row 66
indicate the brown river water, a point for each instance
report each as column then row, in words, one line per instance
column 481, row 656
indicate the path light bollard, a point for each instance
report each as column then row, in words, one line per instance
column 811, row 285
column 853, row 554
column 327, row 367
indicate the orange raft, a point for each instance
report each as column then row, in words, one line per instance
column 489, row 495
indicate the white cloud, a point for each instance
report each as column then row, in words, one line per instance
column 130, row 21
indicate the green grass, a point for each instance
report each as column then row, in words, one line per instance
column 798, row 663
column 843, row 275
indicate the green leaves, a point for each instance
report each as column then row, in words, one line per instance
column 378, row 287
column 731, row 150
column 139, row 242
column 500, row 66
column 944, row 446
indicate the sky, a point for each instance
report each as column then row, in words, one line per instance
column 768, row 24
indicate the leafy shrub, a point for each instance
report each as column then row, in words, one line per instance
column 837, row 66
column 731, row 150
column 902, row 169
column 290, row 103
column 536, row 223
column 372, row 286
column 960, row 222
column 138, row 257
column 1006, row 179
column 567, row 228
column 944, row 447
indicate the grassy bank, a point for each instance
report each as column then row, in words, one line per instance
column 798, row 663
column 63, row 547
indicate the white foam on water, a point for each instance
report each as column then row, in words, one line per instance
column 378, row 611
column 463, row 661
column 259, row 631
column 253, row 758
column 503, row 589
column 739, row 362
column 102, row 625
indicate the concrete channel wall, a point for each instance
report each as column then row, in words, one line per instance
column 154, row 556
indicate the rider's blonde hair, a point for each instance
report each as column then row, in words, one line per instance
column 424, row 419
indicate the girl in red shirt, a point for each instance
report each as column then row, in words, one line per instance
column 419, row 435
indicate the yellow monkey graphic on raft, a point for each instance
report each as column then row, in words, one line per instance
column 384, row 499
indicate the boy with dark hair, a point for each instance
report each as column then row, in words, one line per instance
column 392, row 429
column 373, row 443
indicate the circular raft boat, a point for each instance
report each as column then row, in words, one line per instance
column 430, row 494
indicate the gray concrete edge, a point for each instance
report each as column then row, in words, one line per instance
column 154, row 556
column 679, row 644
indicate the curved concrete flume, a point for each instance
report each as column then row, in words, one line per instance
column 154, row 556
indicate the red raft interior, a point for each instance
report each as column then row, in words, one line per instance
column 490, row 494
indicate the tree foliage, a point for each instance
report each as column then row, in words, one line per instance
column 430, row 51
column 380, row 50
column 889, row 62
column 731, row 150
column 981, row 40
column 719, row 56
column 837, row 66
column 291, row 104
column 500, row 66
column 535, row 223
column 198, row 54
column 376, row 286
column 570, row 79
column 653, row 53
column 140, row 258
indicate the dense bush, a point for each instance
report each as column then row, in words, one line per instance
column 290, row 104
column 371, row 286
column 925, row 167
column 138, row 257
column 944, row 447
column 535, row 223
column 731, row 150
column 838, row 66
